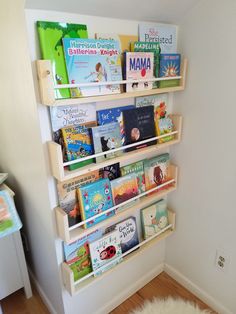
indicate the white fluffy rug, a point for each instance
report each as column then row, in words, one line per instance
column 169, row 306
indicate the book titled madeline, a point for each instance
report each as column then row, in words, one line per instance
column 90, row 60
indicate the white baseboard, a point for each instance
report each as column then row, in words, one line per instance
column 43, row 296
column 200, row 293
column 125, row 294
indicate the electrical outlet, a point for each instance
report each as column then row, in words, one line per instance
column 222, row 260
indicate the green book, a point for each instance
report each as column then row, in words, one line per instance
column 136, row 168
column 142, row 46
column 50, row 38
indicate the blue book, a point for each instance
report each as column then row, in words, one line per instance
column 169, row 67
column 9, row 219
column 111, row 115
column 95, row 198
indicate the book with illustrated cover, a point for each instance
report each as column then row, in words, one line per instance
column 50, row 38
column 105, row 138
column 95, row 198
column 64, row 116
column 137, row 169
column 111, row 115
column 104, row 251
column 90, row 60
column 77, row 144
column 165, row 34
column 124, row 188
column 77, row 254
column 138, row 65
column 9, row 219
column 138, row 125
column 169, row 67
column 128, row 233
column 156, row 170
column 67, row 194
column 111, row 171
column 123, row 40
column 154, row 218
column 142, row 46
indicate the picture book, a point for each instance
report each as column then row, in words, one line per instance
column 64, row 116
column 77, row 254
column 67, row 194
column 165, row 34
column 50, row 38
column 128, row 233
column 142, row 46
column 105, row 138
column 111, row 115
column 94, row 198
column 169, row 67
column 138, row 65
column 105, row 250
column 77, row 144
column 90, row 60
column 123, row 40
column 111, row 172
column 137, row 125
column 156, row 170
column 9, row 219
column 3, row 177
column 137, row 169
column 124, row 188
column 154, row 218
column 164, row 127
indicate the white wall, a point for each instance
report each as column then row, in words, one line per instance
column 205, row 202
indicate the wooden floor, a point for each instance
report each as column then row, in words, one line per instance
column 162, row 286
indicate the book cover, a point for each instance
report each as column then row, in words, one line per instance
column 169, row 67
column 64, row 116
column 9, row 219
column 138, row 65
column 137, row 125
column 111, row 115
column 104, row 251
column 95, row 198
column 142, row 46
column 67, row 194
column 90, row 60
column 128, row 233
column 124, row 188
column 154, row 218
column 50, row 38
column 111, row 172
column 123, row 40
column 77, row 144
column 156, row 170
column 105, row 138
column 165, row 34
column 137, row 169
column 164, row 127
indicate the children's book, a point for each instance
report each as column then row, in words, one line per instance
column 105, row 250
column 95, row 198
column 137, row 125
column 154, row 218
column 138, row 65
column 77, row 254
column 156, row 170
column 64, row 116
column 3, row 177
column 128, row 233
column 169, row 67
column 111, row 172
column 105, row 138
column 67, row 194
column 9, row 219
column 123, row 40
column 164, row 127
column 90, row 60
column 137, row 169
column 50, row 38
column 124, row 188
column 165, row 34
column 111, row 115
column 77, row 144
column 142, row 46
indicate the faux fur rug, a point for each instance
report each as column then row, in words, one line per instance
column 169, row 306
